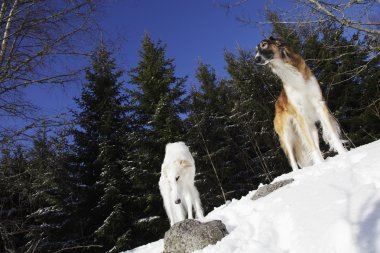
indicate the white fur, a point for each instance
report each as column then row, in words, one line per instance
column 178, row 162
column 306, row 97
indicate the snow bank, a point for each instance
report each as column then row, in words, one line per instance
column 331, row 207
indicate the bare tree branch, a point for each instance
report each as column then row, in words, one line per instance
column 7, row 30
column 343, row 20
column 34, row 36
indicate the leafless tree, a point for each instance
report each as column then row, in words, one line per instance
column 359, row 15
column 36, row 37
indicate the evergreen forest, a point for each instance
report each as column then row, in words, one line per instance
column 91, row 185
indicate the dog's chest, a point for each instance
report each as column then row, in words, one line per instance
column 304, row 96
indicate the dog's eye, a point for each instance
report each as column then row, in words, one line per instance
column 176, row 178
column 264, row 44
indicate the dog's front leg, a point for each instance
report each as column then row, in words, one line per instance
column 307, row 138
column 188, row 202
column 169, row 210
column 178, row 212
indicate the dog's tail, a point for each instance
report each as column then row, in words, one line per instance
column 326, row 135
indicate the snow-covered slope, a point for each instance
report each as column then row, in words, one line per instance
column 331, row 207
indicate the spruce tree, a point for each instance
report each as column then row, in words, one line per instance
column 158, row 103
column 158, row 95
column 38, row 200
column 51, row 218
column 15, row 197
column 100, row 140
column 210, row 142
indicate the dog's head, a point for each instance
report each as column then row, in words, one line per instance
column 269, row 49
column 276, row 53
column 176, row 177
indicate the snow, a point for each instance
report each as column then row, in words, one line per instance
column 148, row 219
column 330, row 207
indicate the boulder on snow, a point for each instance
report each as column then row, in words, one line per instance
column 266, row 189
column 190, row 235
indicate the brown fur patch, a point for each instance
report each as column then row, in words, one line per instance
column 282, row 102
column 296, row 61
column 285, row 112
column 184, row 163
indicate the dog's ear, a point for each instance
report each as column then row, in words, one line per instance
column 277, row 41
column 184, row 163
column 280, row 43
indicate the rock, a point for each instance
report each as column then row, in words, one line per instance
column 266, row 189
column 190, row 235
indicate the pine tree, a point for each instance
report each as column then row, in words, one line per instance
column 368, row 119
column 38, row 204
column 51, row 218
column 351, row 85
column 158, row 104
column 100, row 141
column 15, row 197
column 210, row 142
column 159, row 94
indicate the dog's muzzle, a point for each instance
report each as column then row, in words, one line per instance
column 259, row 60
column 178, row 201
column 263, row 57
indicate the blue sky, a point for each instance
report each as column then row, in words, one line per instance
column 191, row 29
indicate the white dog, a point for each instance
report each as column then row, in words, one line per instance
column 177, row 183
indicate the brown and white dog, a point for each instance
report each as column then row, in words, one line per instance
column 299, row 107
